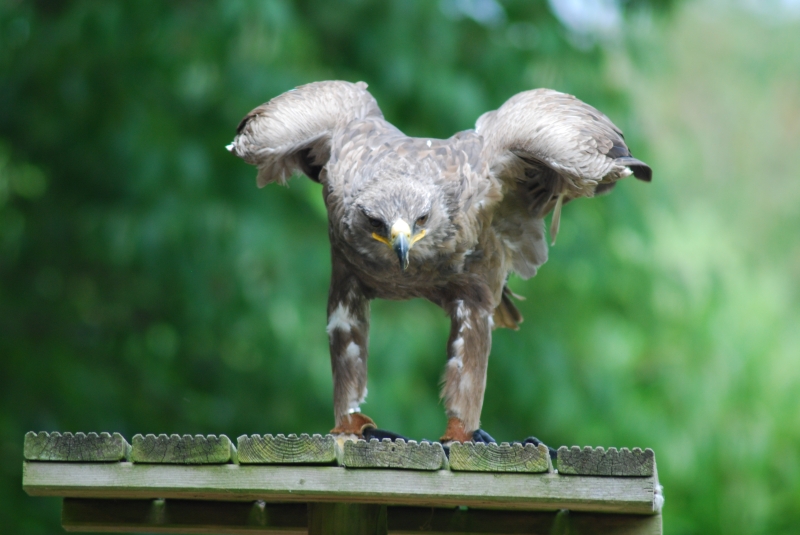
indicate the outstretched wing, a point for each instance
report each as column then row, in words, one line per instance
column 293, row 131
column 548, row 148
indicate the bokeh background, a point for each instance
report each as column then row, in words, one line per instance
column 147, row 285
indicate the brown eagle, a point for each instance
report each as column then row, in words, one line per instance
column 442, row 219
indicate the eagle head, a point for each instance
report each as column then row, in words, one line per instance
column 397, row 220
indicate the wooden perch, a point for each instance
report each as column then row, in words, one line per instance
column 303, row 449
column 409, row 455
column 600, row 462
column 505, row 457
column 292, row 484
column 79, row 447
column 186, row 449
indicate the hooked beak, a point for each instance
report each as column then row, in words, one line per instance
column 401, row 241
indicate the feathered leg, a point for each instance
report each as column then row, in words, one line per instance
column 465, row 376
column 348, row 334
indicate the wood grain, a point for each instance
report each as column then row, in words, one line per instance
column 505, row 457
column 78, row 447
column 599, row 462
column 280, row 449
column 400, row 454
column 297, row 483
column 186, row 449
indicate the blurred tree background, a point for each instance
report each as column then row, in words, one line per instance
column 147, row 286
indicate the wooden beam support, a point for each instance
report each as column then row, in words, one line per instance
column 411, row 520
column 186, row 449
column 409, row 455
column 303, row 449
column 479, row 457
column 346, row 519
column 79, row 447
column 192, row 516
column 182, row 516
column 271, row 483
column 612, row 462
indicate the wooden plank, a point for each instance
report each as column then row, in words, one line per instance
column 386, row 453
column 186, row 449
column 297, row 483
column 599, row 462
column 182, row 516
column 193, row 516
column 505, row 457
column 346, row 519
column 79, row 447
column 410, row 520
column 303, row 449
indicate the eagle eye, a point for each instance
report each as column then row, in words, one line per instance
column 422, row 220
column 375, row 223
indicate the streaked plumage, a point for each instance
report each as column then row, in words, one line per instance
column 459, row 214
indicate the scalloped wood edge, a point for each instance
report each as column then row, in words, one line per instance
column 281, row 449
column 77, row 447
column 503, row 457
column 411, row 455
column 600, row 462
column 186, row 449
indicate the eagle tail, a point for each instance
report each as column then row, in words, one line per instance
column 506, row 314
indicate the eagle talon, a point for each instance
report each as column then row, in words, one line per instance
column 380, row 434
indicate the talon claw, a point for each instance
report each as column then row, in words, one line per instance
column 535, row 441
column 380, row 434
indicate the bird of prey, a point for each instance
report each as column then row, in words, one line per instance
column 441, row 219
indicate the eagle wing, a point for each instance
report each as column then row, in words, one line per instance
column 293, row 131
column 548, row 148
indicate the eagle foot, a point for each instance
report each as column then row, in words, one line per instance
column 354, row 424
column 456, row 432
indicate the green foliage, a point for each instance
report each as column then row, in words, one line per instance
column 147, row 286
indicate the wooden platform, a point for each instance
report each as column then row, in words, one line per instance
column 310, row 484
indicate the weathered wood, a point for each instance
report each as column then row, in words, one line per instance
column 182, row 516
column 600, row 462
column 79, row 447
column 186, row 449
column 386, row 453
column 193, row 516
column 297, row 483
column 346, row 519
column 505, row 457
column 303, row 449
column 410, row 520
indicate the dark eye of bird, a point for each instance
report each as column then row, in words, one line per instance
column 422, row 220
column 375, row 223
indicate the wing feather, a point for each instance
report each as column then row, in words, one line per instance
column 545, row 145
column 293, row 131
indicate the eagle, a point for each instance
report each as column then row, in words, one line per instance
column 445, row 220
